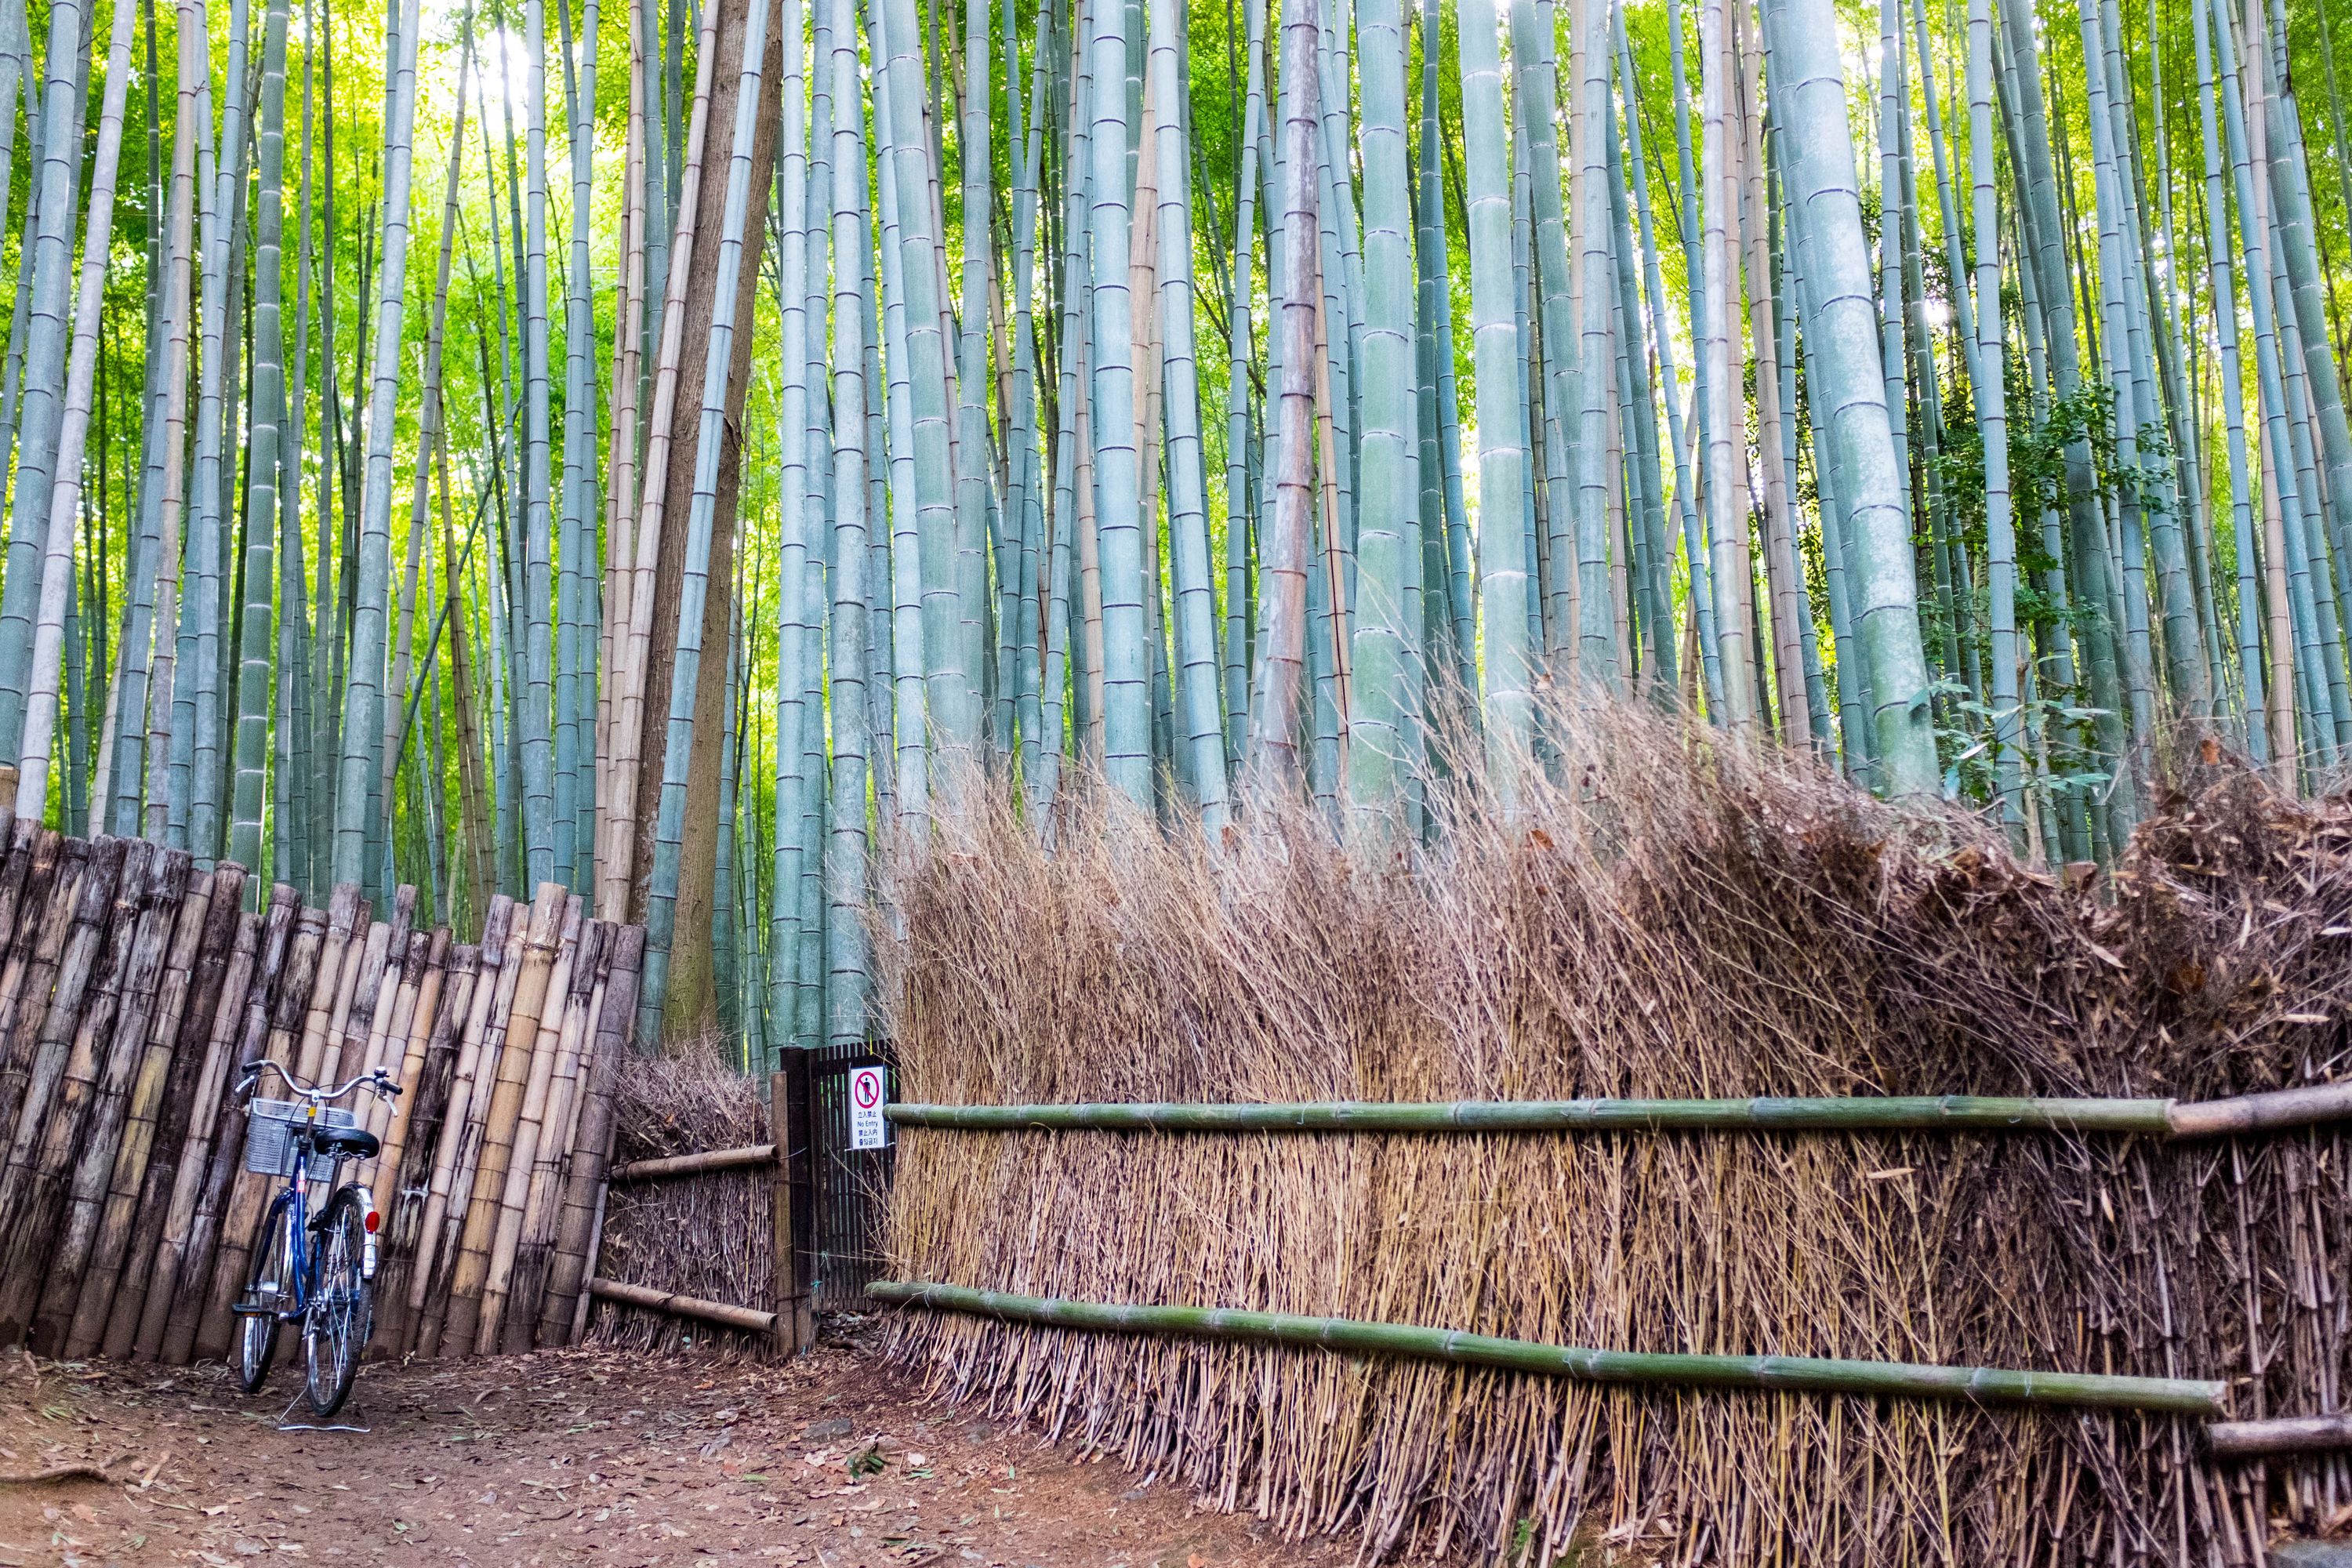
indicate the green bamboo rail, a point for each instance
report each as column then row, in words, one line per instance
column 1871, row 1113
column 1807, row 1374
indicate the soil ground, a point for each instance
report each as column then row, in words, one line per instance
column 579, row 1456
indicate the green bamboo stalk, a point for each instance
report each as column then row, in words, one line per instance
column 913, row 753
column 574, row 675
column 1286, row 555
column 1716, row 343
column 1808, row 1374
column 1504, row 581
column 536, row 713
column 1803, row 43
column 974, row 496
column 795, row 639
column 256, row 689
column 49, row 217
column 2221, row 281
column 1119, row 528
column 1384, row 649
column 1992, row 424
column 845, row 867
column 1199, row 710
column 65, row 502
column 221, row 185
column 1764, row 1113
column 355, row 832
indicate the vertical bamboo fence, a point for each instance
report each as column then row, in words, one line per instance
column 133, row 984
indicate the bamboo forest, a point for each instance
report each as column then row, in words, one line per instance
column 680, row 451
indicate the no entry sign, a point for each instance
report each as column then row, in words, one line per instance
column 868, row 1088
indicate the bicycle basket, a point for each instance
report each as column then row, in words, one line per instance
column 270, row 1137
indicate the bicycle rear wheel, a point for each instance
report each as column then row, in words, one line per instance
column 269, row 1289
column 343, row 1305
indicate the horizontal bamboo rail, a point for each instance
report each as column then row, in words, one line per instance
column 2170, row 1119
column 2280, row 1434
column 699, row 1164
column 1809, row 1374
column 748, row 1319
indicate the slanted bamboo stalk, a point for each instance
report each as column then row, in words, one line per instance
column 531, row 1121
column 346, row 916
column 70, row 1073
column 195, row 1108
column 45, row 921
column 425, row 1110
column 245, row 1193
column 50, row 1088
column 352, row 1023
column 537, row 1235
column 167, row 1320
column 448, row 1195
column 67, row 1251
column 580, row 1229
column 470, row 1280
column 423, row 1022
column 209, row 1009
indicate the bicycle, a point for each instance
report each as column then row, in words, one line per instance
column 317, row 1272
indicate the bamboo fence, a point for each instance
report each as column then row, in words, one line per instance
column 1202, row 1136
column 133, row 985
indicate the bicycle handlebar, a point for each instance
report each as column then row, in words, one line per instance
column 376, row 1079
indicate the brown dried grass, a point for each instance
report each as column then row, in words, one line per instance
column 1675, row 919
column 707, row 1236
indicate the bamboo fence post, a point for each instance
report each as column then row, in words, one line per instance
column 346, row 914
column 45, row 918
column 24, row 900
column 423, row 1015
column 359, row 1011
column 215, row 1161
column 446, row 1193
column 388, row 1046
column 462, row 1136
column 118, row 1287
column 542, row 1200
column 214, row 1271
column 16, row 865
column 57, row 1092
column 8, row 803
column 425, row 1110
column 121, row 933
column 581, row 1227
column 354, row 1002
column 224, row 959
column 463, row 1314
column 531, row 1120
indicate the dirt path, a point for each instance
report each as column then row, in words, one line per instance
column 575, row 1456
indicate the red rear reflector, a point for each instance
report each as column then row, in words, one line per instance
column 375, row 1222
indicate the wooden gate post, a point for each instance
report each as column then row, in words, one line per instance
column 793, row 1203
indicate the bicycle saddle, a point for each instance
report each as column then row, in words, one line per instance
column 351, row 1142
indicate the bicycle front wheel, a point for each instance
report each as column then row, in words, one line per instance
column 268, row 1292
column 342, row 1304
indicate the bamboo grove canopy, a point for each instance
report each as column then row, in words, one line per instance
column 676, row 450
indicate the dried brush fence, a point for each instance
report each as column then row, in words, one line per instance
column 1671, row 924
column 134, row 984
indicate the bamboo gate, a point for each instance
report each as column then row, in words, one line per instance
column 133, row 984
